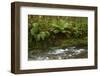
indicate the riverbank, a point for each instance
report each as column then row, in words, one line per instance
column 63, row 49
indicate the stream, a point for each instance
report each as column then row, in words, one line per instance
column 59, row 54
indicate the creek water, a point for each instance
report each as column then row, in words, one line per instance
column 59, row 54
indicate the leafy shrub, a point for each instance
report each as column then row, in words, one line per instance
column 44, row 29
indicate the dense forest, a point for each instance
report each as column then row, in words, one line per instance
column 56, row 32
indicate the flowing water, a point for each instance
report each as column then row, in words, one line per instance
column 59, row 54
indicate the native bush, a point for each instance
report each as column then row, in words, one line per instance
column 42, row 29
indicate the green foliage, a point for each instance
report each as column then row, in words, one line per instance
column 60, row 26
column 37, row 33
column 43, row 29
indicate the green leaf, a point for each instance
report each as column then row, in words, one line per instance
column 32, row 32
column 34, row 29
column 43, row 35
column 56, row 31
column 38, row 37
column 47, row 33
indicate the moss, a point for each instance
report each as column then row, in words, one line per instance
column 82, row 55
column 73, row 42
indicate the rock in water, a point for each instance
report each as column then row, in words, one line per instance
column 79, row 51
